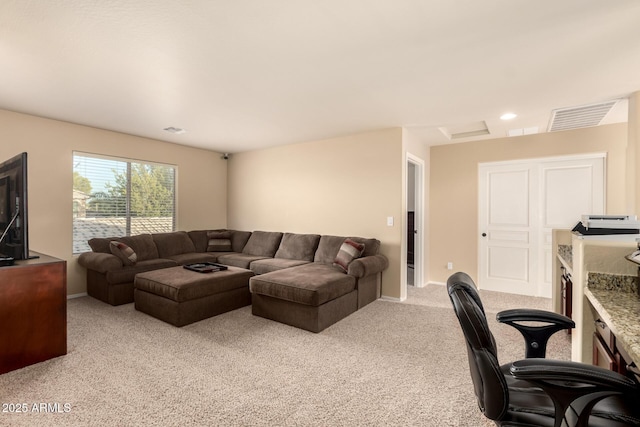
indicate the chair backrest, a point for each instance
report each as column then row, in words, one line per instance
column 489, row 382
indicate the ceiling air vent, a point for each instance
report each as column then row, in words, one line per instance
column 579, row 117
column 467, row 130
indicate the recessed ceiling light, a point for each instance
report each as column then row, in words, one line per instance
column 508, row 116
column 175, row 130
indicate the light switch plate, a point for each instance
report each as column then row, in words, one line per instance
column 390, row 221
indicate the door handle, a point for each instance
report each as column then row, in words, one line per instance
column 484, row 234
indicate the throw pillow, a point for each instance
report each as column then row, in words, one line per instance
column 124, row 252
column 349, row 251
column 219, row 241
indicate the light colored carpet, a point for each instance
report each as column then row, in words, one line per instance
column 401, row 364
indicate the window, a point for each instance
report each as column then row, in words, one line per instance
column 115, row 197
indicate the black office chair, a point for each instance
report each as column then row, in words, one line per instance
column 538, row 391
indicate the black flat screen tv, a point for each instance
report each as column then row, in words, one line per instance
column 14, row 223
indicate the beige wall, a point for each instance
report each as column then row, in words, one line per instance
column 340, row 186
column 633, row 154
column 202, row 179
column 454, row 185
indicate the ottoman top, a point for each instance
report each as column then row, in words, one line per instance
column 179, row 284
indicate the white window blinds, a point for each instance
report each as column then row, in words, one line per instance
column 115, row 197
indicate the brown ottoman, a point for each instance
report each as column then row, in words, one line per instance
column 180, row 296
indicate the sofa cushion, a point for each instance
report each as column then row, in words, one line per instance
column 194, row 257
column 349, row 250
column 298, row 246
column 237, row 259
column 310, row 284
column 143, row 245
column 263, row 243
column 329, row 246
column 101, row 244
column 371, row 246
column 199, row 239
column 267, row 265
column 173, row 243
column 128, row 273
column 124, row 252
column 238, row 239
column 219, row 241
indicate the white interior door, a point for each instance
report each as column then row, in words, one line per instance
column 571, row 188
column 519, row 204
column 507, row 243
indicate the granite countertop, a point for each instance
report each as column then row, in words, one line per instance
column 566, row 253
column 615, row 298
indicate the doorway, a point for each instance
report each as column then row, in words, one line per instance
column 414, row 220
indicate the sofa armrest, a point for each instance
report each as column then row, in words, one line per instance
column 99, row 261
column 368, row 265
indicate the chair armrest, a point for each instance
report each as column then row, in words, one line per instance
column 574, row 387
column 535, row 336
column 99, row 261
column 573, row 373
column 533, row 315
column 365, row 266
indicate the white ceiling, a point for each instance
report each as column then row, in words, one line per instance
column 244, row 74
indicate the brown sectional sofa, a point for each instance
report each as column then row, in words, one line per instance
column 295, row 280
column 315, row 295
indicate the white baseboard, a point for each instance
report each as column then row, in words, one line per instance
column 391, row 299
column 83, row 294
column 437, row 283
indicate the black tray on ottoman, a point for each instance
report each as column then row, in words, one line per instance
column 205, row 267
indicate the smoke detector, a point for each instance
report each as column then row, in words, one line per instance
column 175, row 130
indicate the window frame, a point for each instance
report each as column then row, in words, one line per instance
column 130, row 162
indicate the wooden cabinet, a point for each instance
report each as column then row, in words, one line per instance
column 602, row 354
column 604, row 347
column 606, row 351
column 581, row 256
column 33, row 312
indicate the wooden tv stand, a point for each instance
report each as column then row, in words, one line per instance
column 33, row 312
